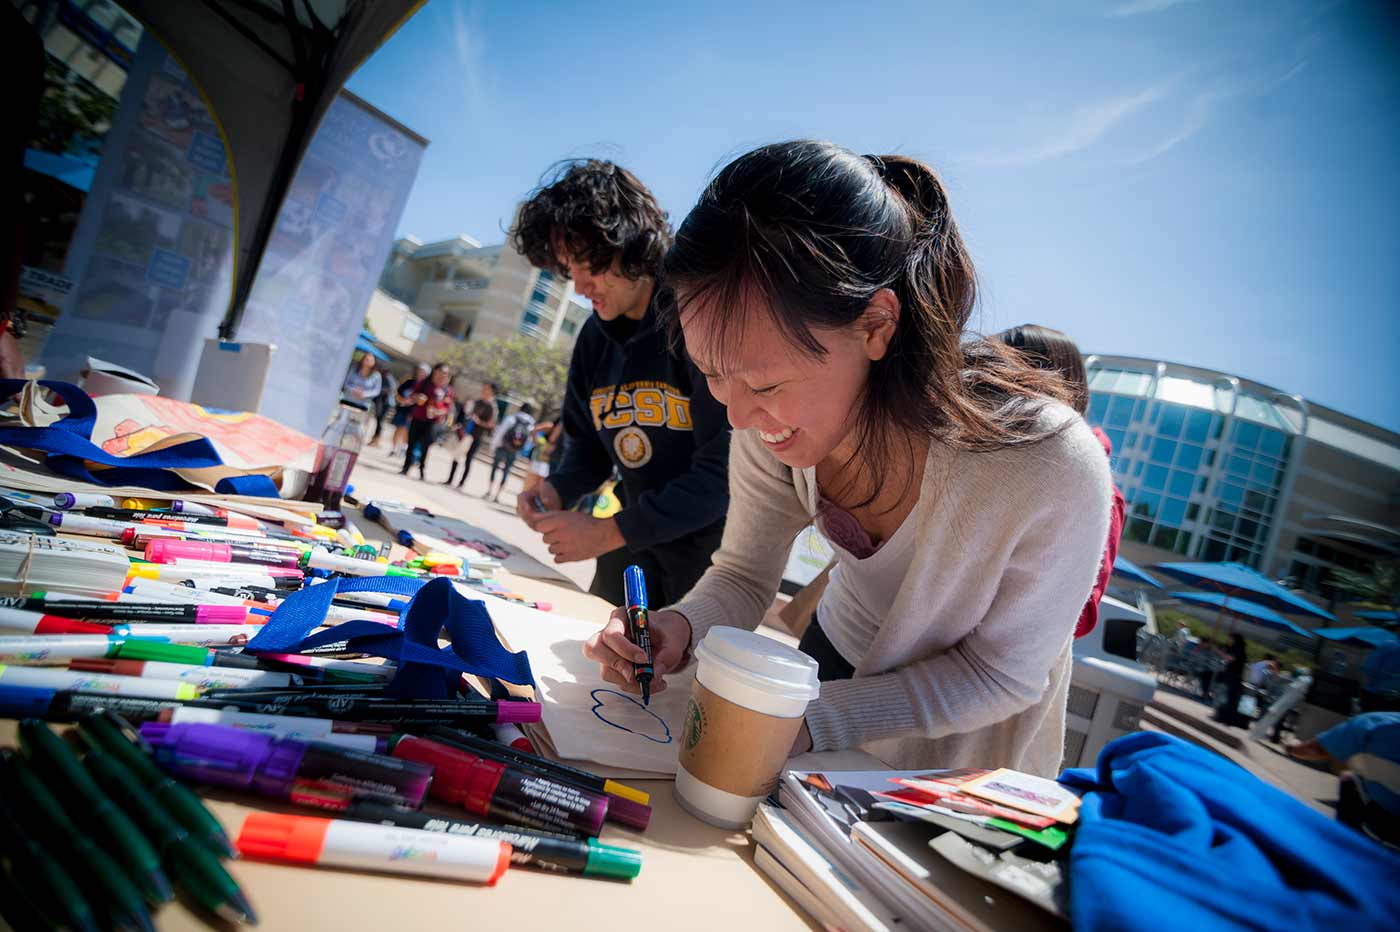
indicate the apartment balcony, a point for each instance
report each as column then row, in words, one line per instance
column 405, row 334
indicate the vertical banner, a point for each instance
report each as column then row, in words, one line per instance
column 152, row 256
column 331, row 240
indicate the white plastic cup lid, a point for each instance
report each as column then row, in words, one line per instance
column 762, row 662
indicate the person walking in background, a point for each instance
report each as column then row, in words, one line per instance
column 1233, row 678
column 479, row 419
column 404, row 408
column 381, row 401
column 1055, row 352
column 634, row 401
column 363, row 383
column 510, row 438
column 432, row 404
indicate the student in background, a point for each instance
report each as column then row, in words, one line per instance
column 479, row 419
column 1233, row 678
column 510, row 438
column 634, row 402
column 432, row 405
column 824, row 296
column 403, row 409
column 381, row 402
column 1054, row 351
column 363, row 383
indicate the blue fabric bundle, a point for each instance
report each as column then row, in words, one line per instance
column 1172, row 836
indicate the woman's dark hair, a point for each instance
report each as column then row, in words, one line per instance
column 594, row 212
column 1050, row 349
column 810, row 231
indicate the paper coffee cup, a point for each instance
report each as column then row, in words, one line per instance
column 744, row 712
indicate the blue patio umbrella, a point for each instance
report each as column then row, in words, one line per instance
column 1372, row 636
column 365, row 346
column 1245, row 609
column 1378, row 616
column 1122, row 566
column 1239, row 581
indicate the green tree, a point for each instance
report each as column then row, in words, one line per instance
column 1380, row 587
column 73, row 116
column 524, row 368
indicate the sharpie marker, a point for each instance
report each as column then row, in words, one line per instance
column 66, row 500
column 196, row 635
column 353, row 566
column 57, row 649
column 307, row 774
column 361, row 846
column 356, row 737
column 16, row 621
column 529, row 848
column 271, row 577
column 66, row 680
column 168, row 551
column 94, row 609
column 199, row 676
column 125, row 514
column 91, row 527
column 55, row 705
column 409, row 714
column 322, row 670
column 629, row 805
column 489, row 789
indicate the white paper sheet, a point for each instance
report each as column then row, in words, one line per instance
column 587, row 718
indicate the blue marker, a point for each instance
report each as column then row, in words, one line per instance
column 634, row 585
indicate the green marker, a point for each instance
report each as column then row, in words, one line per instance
column 113, row 733
column 56, row 761
column 194, row 867
column 43, row 882
column 42, row 814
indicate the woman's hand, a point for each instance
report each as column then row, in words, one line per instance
column 615, row 654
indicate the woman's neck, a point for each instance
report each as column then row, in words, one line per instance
column 846, row 477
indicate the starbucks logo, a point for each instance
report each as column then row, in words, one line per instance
column 694, row 724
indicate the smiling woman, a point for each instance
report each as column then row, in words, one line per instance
column 824, row 296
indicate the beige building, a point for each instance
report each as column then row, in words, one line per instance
column 459, row 290
column 1218, row 467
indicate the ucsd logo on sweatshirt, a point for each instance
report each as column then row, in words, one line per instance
column 627, row 410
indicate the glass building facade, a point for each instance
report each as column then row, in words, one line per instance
column 1202, row 465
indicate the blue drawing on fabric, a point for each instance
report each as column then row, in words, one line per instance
column 626, row 712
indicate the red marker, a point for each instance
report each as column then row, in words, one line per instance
column 15, row 621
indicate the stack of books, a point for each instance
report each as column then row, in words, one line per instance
column 957, row 850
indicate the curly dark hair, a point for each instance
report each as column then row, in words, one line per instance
column 594, row 211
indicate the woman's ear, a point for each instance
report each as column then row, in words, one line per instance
column 878, row 323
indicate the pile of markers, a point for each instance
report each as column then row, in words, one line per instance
column 156, row 679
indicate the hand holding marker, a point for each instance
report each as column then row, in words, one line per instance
column 635, row 587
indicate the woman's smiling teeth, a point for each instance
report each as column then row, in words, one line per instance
column 778, row 437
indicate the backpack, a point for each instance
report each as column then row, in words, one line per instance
column 517, row 435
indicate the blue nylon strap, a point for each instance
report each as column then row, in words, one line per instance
column 425, row 670
column 69, row 448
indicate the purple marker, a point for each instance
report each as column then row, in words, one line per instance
column 316, row 775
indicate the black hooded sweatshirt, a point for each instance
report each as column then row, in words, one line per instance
column 635, row 405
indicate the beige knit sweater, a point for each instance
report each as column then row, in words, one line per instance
column 970, row 667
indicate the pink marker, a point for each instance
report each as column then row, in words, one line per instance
column 168, row 551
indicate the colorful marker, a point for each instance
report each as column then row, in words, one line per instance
column 199, row 676
column 57, row 649
column 104, row 610
column 66, row 500
column 635, row 585
column 410, row 714
column 54, row 705
column 487, row 788
column 371, row 739
column 168, row 551
column 529, row 848
column 353, row 566
column 16, row 621
column 67, row 680
column 339, row 843
column 315, row 774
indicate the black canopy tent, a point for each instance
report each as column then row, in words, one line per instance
column 269, row 70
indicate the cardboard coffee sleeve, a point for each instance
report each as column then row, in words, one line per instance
column 732, row 748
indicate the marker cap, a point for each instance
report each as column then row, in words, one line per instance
column 147, row 649
column 634, row 585
column 612, row 861
column 628, row 812
column 20, row 702
column 510, row 712
column 276, row 837
column 458, row 777
column 56, row 624
column 210, row 753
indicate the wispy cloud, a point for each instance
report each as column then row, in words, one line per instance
column 1083, row 127
column 470, row 49
column 1138, row 7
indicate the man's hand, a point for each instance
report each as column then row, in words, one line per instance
column 572, row 536
column 536, row 487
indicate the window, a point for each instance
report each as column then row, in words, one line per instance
column 1201, row 483
column 1156, row 478
column 1138, row 467
column 568, row 327
column 1098, row 406
column 1188, row 456
column 1197, row 426
column 1249, row 529
column 1246, row 435
column 1164, row 537
column 1173, row 419
column 1173, row 511
column 1223, row 520
column 1120, row 412
column 1183, row 543
column 1229, row 492
column 1137, row 529
column 540, row 296
column 1265, row 474
column 1238, row 465
column 1272, row 442
column 1115, row 438
column 1163, row 450
column 1181, row 483
column 530, row 319
column 1192, row 510
column 1146, row 504
column 1213, row 551
column 1130, row 439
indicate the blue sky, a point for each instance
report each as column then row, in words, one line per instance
column 1204, row 181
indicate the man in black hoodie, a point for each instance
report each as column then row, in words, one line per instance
column 632, row 402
